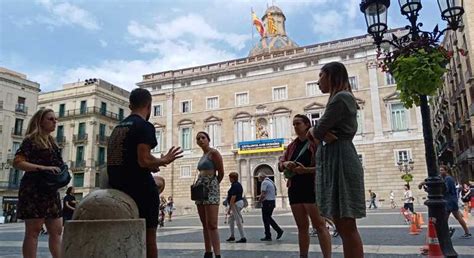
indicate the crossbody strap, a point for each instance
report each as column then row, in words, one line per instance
column 305, row 146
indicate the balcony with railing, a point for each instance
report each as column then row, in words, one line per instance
column 21, row 109
column 101, row 139
column 78, row 165
column 79, row 138
column 100, row 164
column 60, row 140
column 17, row 133
column 89, row 111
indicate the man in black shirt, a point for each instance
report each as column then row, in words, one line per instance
column 129, row 162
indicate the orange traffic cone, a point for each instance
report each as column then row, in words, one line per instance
column 434, row 250
column 422, row 222
column 413, row 226
column 417, row 221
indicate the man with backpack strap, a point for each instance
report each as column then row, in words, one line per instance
column 267, row 198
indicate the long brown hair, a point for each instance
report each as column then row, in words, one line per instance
column 36, row 133
column 338, row 77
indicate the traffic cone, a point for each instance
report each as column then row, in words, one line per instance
column 418, row 221
column 422, row 222
column 434, row 250
column 413, row 226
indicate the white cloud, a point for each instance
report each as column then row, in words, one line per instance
column 126, row 73
column 188, row 26
column 327, row 23
column 103, row 43
column 67, row 14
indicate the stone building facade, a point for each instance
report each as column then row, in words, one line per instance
column 453, row 107
column 247, row 105
column 87, row 112
column 18, row 102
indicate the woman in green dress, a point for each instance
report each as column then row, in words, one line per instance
column 339, row 173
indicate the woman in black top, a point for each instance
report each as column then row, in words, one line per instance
column 37, row 203
column 69, row 204
column 299, row 160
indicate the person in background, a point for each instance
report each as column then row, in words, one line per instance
column 466, row 195
column 37, row 203
column 170, row 207
column 236, row 204
column 340, row 193
column 299, row 160
column 450, row 196
column 408, row 199
column 211, row 173
column 267, row 198
column 393, row 204
column 69, row 204
column 372, row 199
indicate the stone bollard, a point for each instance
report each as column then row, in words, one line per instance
column 105, row 224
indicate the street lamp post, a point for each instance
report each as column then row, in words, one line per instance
column 406, row 166
column 375, row 12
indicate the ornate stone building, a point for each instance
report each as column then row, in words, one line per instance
column 87, row 112
column 18, row 101
column 453, row 108
column 247, row 105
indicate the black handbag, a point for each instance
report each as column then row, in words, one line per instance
column 199, row 192
column 56, row 181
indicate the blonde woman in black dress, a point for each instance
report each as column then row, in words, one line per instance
column 37, row 203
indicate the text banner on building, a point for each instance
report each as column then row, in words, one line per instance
column 259, row 146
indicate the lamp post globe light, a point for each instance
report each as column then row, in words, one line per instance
column 414, row 84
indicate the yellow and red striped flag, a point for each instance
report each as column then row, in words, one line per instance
column 258, row 24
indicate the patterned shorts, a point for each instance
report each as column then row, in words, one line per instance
column 213, row 185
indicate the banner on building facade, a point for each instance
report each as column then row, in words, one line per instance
column 262, row 145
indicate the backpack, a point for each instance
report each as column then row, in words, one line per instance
column 374, row 195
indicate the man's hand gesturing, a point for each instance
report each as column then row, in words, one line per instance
column 173, row 153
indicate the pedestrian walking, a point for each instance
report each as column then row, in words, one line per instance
column 393, row 204
column 267, row 199
column 236, row 204
column 466, row 195
column 39, row 204
column 372, row 199
column 130, row 163
column 170, row 207
column 408, row 199
column 450, row 196
column 298, row 165
column 211, row 173
column 69, row 204
column 340, row 190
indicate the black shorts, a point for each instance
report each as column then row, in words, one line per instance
column 302, row 189
column 148, row 203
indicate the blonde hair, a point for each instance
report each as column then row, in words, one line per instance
column 36, row 133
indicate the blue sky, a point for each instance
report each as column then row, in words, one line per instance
column 56, row 42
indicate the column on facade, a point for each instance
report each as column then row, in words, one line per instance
column 374, row 97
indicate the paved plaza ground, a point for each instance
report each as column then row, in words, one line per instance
column 384, row 234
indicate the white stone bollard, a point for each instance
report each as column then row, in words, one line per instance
column 105, row 225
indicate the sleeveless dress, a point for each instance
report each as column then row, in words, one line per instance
column 339, row 173
column 211, row 182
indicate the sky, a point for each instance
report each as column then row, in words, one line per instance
column 56, row 42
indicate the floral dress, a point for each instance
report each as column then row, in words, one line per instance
column 35, row 199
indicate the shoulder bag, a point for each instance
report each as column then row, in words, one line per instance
column 199, row 192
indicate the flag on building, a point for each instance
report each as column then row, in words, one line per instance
column 258, row 24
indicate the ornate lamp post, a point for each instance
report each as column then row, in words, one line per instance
column 418, row 43
column 406, row 166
